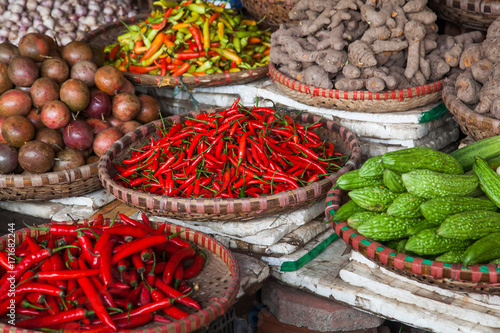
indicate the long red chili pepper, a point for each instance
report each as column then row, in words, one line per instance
column 138, row 245
column 196, row 266
column 59, row 318
column 174, row 261
column 94, row 299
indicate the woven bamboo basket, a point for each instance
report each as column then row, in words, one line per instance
column 218, row 209
column 272, row 12
column 473, row 124
column 219, row 281
column 107, row 35
column 472, row 14
column 50, row 185
column 359, row 101
column 477, row 278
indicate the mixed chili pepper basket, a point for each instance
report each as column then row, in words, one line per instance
column 108, row 34
column 217, row 283
column 241, row 199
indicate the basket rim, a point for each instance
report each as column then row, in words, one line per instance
column 485, row 7
column 407, row 263
column 354, row 95
column 158, row 81
column 141, row 132
column 54, row 177
column 216, row 306
column 463, row 114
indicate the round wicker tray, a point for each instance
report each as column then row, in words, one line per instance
column 50, row 185
column 472, row 14
column 272, row 12
column 219, row 282
column 359, row 101
column 107, row 34
column 473, row 124
column 218, row 209
column 476, row 278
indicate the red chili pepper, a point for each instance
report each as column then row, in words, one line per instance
column 128, row 230
column 135, row 223
column 47, row 289
column 94, row 299
column 114, row 51
column 196, row 32
column 161, row 25
column 196, row 266
column 181, row 70
column 59, row 318
column 175, row 294
column 174, row 261
column 138, row 245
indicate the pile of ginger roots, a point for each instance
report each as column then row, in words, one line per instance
column 372, row 45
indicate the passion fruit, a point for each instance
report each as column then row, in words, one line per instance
column 109, row 79
column 36, row 157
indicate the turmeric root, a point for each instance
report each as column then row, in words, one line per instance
column 315, row 76
column 322, row 20
column 414, row 6
column 296, row 51
column 489, row 93
column 331, row 38
column 452, row 56
column 391, row 45
column 481, row 70
column 373, row 34
column 495, row 109
column 360, row 54
column 414, row 33
column 331, row 60
column 493, row 29
column 375, row 84
column 425, row 16
column 351, row 72
column 466, row 88
column 346, row 84
column 439, row 67
column 490, row 48
column 375, row 18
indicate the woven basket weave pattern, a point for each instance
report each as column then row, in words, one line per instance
column 217, row 209
column 476, row 278
column 108, row 34
column 360, row 101
column 219, row 282
column 473, row 124
column 273, row 12
column 50, row 185
column 472, row 14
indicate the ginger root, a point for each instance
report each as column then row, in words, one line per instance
column 360, row 54
column 414, row 32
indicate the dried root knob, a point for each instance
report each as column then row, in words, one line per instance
column 414, row 32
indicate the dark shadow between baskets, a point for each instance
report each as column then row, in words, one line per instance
column 219, row 209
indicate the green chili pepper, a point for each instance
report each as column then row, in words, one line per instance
column 197, row 8
column 152, row 34
column 229, row 18
column 243, row 34
column 191, row 69
column 176, row 17
column 155, row 56
column 194, row 17
column 108, row 48
column 165, row 3
column 237, row 44
column 244, row 42
column 210, row 71
column 206, row 65
column 125, row 36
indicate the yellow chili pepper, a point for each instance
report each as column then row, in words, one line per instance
column 228, row 55
column 233, row 70
column 226, row 23
column 248, row 22
column 206, row 36
column 220, row 31
column 180, row 25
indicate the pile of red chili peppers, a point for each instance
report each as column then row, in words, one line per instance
column 99, row 277
column 239, row 152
